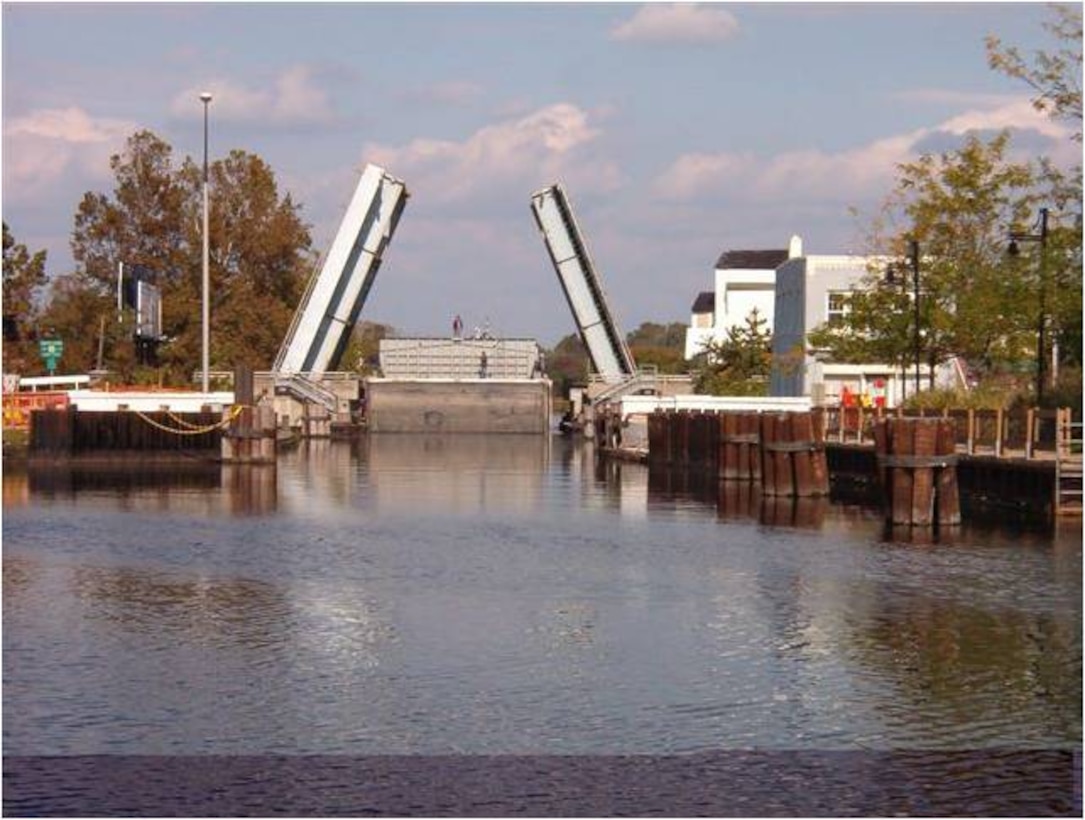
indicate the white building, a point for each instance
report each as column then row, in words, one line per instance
column 809, row 291
column 745, row 280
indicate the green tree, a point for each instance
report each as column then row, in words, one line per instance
column 738, row 365
column 24, row 278
column 1055, row 78
column 974, row 301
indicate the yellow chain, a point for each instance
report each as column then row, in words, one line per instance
column 192, row 430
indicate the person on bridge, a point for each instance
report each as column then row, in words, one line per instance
column 457, row 327
column 482, row 366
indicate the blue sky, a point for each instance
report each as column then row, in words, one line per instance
column 679, row 131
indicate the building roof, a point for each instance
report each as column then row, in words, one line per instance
column 705, row 302
column 752, row 260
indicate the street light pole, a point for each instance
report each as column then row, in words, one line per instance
column 913, row 249
column 1041, row 324
column 206, row 314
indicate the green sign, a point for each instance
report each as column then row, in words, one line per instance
column 51, row 350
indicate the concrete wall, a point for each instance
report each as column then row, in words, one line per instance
column 290, row 411
column 460, row 406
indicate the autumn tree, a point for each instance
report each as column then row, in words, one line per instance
column 659, row 345
column 24, row 278
column 567, row 364
column 740, row 363
column 260, row 255
column 362, row 354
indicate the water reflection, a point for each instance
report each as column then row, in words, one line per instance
column 475, row 594
column 225, row 613
column 789, row 511
column 733, row 500
column 136, row 484
column 121, row 477
column 251, row 489
column 1010, row 675
column 460, row 474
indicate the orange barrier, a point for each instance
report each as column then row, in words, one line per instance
column 17, row 407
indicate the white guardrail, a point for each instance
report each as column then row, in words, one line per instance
column 644, row 405
column 187, row 402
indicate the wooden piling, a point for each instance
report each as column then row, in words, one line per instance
column 948, row 491
column 768, row 459
column 793, row 461
column 917, row 463
column 749, row 445
column 681, row 455
column 739, row 446
column 657, row 437
column 712, row 444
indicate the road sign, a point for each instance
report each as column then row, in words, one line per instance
column 51, row 350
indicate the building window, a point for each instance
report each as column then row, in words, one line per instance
column 837, row 305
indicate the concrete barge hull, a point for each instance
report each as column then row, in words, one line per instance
column 458, row 406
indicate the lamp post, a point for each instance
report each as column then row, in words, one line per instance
column 1041, row 324
column 206, row 315
column 913, row 251
column 913, row 260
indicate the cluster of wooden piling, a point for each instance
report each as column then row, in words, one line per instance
column 917, row 466
column 784, row 453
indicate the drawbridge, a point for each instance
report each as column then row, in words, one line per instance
column 609, row 354
column 335, row 295
column 333, row 300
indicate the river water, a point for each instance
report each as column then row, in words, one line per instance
column 507, row 596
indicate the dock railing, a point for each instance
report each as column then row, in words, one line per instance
column 1024, row 433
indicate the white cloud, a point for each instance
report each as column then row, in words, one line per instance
column 293, row 98
column 860, row 172
column 59, row 146
column 1018, row 114
column 681, row 23
column 533, row 150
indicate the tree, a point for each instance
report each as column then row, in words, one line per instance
column 567, row 364
column 658, row 345
column 363, row 350
column 738, row 365
column 1054, row 76
column 959, row 206
column 260, row 259
column 24, row 277
column 260, row 256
